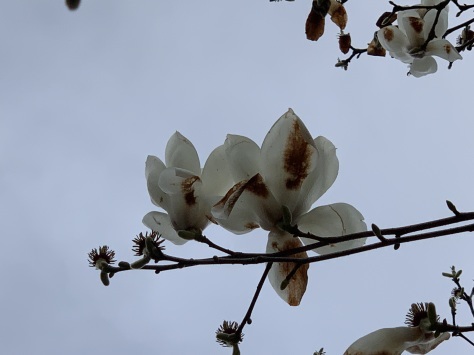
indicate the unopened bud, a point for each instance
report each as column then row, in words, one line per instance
column 466, row 36
column 345, row 42
column 138, row 264
column 124, row 264
column 452, row 208
column 432, row 316
column 378, row 232
column 73, row 4
column 104, row 277
column 452, row 304
column 375, row 48
column 101, row 264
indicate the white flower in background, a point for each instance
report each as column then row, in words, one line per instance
column 406, row 41
column 182, row 190
column 290, row 169
column 417, row 338
column 394, row 341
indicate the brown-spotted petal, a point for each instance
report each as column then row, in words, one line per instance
column 186, row 207
column 321, row 177
column 288, row 156
column 338, row 14
column 247, row 205
column 293, row 293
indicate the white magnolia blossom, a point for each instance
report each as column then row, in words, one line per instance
column 182, row 190
column 394, row 341
column 406, row 41
column 290, row 169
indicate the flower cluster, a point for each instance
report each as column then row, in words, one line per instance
column 243, row 186
column 414, row 41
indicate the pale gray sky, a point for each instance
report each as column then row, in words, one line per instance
column 86, row 96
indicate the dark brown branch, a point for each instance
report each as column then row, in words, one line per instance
column 455, row 28
column 247, row 319
column 252, row 259
column 356, row 52
column 203, row 239
column 462, row 8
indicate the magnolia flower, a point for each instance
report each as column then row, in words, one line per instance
column 182, row 190
column 417, row 338
column 394, row 341
column 407, row 42
column 291, row 169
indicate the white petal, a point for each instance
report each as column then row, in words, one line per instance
column 186, row 208
column 288, row 157
column 423, row 66
column 428, row 344
column 160, row 222
column 171, row 180
column 249, row 203
column 393, row 39
column 402, row 56
column 295, row 290
column 408, row 13
column 216, row 178
column 443, row 49
column 333, row 220
column 180, row 153
column 441, row 25
column 322, row 177
column 243, row 155
column 153, row 168
column 232, row 214
column 413, row 27
column 387, row 341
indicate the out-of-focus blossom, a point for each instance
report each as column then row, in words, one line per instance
column 184, row 191
column 316, row 19
column 375, row 48
column 73, row 4
column 338, row 14
column 417, row 338
column 394, row 341
column 407, row 42
column 291, row 169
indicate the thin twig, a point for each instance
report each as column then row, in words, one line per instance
column 246, row 319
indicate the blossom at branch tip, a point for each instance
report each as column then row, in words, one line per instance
column 407, row 42
column 417, row 338
column 291, row 169
column 183, row 190
column 394, row 341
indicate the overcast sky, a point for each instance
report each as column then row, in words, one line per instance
column 85, row 96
